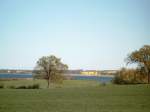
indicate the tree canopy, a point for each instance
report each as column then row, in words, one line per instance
column 50, row 67
column 142, row 58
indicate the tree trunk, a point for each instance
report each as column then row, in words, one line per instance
column 149, row 77
column 48, row 81
column 148, row 74
column 48, row 78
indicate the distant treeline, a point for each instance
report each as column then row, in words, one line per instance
column 103, row 72
column 15, row 71
column 31, row 71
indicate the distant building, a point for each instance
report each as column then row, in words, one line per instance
column 90, row 73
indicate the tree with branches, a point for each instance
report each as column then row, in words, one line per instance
column 50, row 68
column 142, row 58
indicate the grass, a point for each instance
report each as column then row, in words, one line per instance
column 75, row 96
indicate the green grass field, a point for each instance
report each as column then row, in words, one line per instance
column 75, row 96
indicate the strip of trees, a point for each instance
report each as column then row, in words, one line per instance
column 141, row 74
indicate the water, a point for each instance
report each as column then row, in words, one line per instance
column 10, row 75
column 103, row 79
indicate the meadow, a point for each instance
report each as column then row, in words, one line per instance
column 74, row 96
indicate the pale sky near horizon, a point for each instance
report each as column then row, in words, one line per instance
column 85, row 34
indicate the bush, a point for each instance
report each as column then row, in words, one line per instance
column 128, row 76
column 119, row 80
column 21, row 87
column 34, row 86
column 1, row 86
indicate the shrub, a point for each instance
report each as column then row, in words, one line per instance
column 34, row 86
column 1, row 86
column 119, row 80
column 128, row 76
column 21, row 87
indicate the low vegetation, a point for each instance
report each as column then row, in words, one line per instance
column 75, row 96
column 130, row 76
column 1, row 85
column 34, row 86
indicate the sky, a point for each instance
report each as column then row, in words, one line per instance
column 85, row 34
